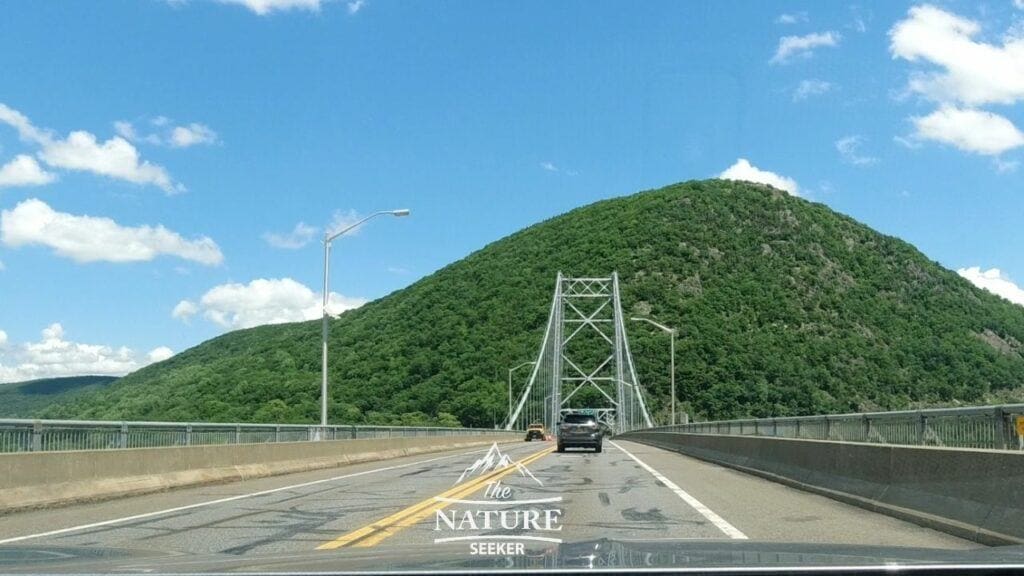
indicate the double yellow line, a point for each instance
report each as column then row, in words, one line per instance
column 374, row 533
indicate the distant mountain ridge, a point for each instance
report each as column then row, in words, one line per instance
column 784, row 307
column 26, row 399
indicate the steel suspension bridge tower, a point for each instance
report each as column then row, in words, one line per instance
column 584, row 360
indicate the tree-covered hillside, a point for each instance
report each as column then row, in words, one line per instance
column 785, row 307
column 25, row 399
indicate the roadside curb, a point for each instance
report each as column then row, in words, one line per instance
column 62, row 493
column 954, row 527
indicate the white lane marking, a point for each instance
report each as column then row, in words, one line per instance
column 730, row 530
column 228, row 499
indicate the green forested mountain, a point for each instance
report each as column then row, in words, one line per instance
column 785, row 307
column 25, row 399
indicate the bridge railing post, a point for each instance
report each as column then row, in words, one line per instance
column 37, row 437
column 921, row 424
column 188, row 434
column 122, row 435
column 1002, row 428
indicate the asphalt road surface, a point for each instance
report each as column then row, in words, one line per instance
column 628, row 492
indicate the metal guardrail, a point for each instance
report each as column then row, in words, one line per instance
column 992, row 427
column 51, row 435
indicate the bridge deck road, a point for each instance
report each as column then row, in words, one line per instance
column 630, row 491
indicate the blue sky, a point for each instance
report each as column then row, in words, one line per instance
column 167, row 167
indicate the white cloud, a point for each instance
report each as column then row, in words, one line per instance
column 159, row 354
column 2, row 266
column 185, row 310
column 194, row 133
column 356, row 6
column 53, row 356
column 92, row 239
column 23, row 170
column 343, row 219
column 21, row 123
column 972, row 72
column 995, row 282
column 794, row 18
column 849, row 150
column 970, row 130
column 1019, row 4
column 263, row 301
column 744, row 170
column 116, row 157
column 803, row 46
column 3, row 338
column 551, row 167
column 962, row 74
column 910, row 143
column 174, row 136
column 264, row 7
column 301, row 235
column 811, row 87
column 125, row 130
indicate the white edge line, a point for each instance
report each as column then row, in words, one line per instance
column 496, row 537
column 498, row 502
column 730, row 530
column 223, row 500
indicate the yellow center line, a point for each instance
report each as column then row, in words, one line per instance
column 375, row 532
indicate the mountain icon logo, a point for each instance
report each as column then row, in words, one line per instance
column 495, row 460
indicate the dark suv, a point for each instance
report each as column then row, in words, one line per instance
column 579, row 430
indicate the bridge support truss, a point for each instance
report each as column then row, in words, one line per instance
column 584, row 360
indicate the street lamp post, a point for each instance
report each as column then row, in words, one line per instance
column 328, row 238
column 510, row 371
column 672, row 361
column 546, row 407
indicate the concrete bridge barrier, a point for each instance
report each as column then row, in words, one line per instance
column 970, row 493
column 39, row 479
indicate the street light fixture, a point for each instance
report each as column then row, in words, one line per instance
column 328, row 238
column 510, row 371
column 672, row 332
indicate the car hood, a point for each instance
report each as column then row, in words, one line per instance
column 594, row 554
